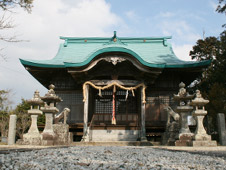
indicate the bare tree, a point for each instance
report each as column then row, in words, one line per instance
column 6, row 22
column 8, row 5
column 23, row 123
column 23, row 118
column 4, row 112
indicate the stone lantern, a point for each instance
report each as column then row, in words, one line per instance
column 33, row 137
column 50, row 99
column 201, row 138
column 184, row 109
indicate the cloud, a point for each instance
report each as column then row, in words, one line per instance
column 49, row 20
column 131, row 15
column 182, row 51
column 180, row 30
column 166, row 14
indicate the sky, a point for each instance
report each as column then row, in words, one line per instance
column 186, row 21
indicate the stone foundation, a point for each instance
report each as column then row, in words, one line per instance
column 31, row 139
column 48, row 139
column 113, row 135
column 203, row 140
column 204, row 143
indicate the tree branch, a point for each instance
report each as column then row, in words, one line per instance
column 6, row 5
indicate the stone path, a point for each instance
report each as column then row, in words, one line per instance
column 110, row 157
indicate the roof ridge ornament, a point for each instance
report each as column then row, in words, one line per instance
column 115, row 34
column 115, row 40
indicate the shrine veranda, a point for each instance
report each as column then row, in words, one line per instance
column 115, row 87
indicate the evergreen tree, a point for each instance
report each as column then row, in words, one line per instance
column 213, row 81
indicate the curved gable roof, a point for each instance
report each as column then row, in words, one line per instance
column 150, row 51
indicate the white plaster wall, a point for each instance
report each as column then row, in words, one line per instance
column 114, row 135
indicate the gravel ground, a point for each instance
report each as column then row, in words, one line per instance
column 109, row 157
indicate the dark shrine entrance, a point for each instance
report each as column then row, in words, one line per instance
column 127, row 107
column 114, row 110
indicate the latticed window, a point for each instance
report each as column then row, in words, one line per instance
column 161, row 99
column 74, row 101
column 125, row 103
column 155, row 104
column 71, row 98
column 104, row 104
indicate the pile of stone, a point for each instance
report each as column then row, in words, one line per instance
column 99, row 157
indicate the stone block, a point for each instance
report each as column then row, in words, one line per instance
column 204, row 143
column 202, row 137
column 183, row 143
column 184, row 140
column 29, row 139
column 186, row 136
column 63, row 137
column 47, row 142
column 221, row 128
column 48, row 136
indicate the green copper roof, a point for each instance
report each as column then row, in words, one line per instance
column 150, row 51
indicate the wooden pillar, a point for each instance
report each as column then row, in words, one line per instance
column 143, row 130
column 86, row 109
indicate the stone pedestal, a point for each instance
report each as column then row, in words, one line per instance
column 185, row 139
column 206, row 143
column 221, row 128
column 12, row 130
column 48, row 135
column 63, row 136
column 185, row 135
column 33, row 137
column 200, row 133
column 184, row 112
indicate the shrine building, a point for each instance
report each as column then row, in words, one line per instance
column 116, row 87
